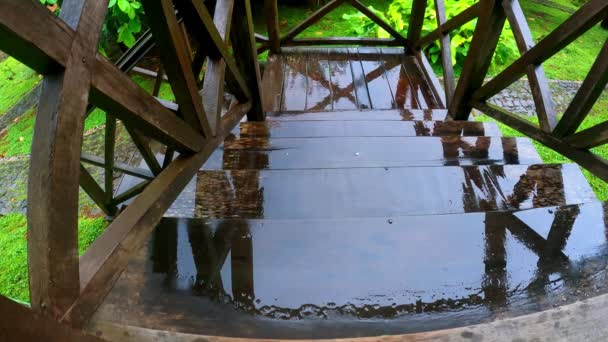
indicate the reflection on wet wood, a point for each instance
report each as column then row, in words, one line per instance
column 374, row 72
column 380, row 115
column 352, row 152
column 272, row 83
column 318, row 90
column 360, row 85
column 295, row 84
column 342, row 83
column 403, row 89
column 317, row 129
column 227, row 277
column 362, row 192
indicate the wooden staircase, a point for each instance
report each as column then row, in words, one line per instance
column 355, row 223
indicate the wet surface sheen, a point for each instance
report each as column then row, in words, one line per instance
column 360, row 277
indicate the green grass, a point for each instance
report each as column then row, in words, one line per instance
column 13, row 241
column 15, row 81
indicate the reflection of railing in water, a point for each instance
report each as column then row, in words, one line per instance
column 212, row 241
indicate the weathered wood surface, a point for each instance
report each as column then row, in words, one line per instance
column 581, row 321
column 446, row 53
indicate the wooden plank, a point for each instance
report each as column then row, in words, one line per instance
column 311, row 20
column 354, row 41
column 55, row 164
column 446, row 53
column 375, row 76
column 485, row 39
column 595, row 164
column 318, row 90
column 457, row 21
column 177, row 63
column 130, row 193
column 109, row 148
column 582, row 20
column 213, row 83
column 272, row 83
column 116, row 93
column 90, row 186
column 434, row 94
column 416, row 20
column 272, row 24
column 536, row 74
column 143, row 146
column 359, row 83
column 590, row 137
column 20, row 323
column 586, row 96
column 245, row 53
column 120, row 167
column 379, row 21
column 406, row 92
column 341, row 79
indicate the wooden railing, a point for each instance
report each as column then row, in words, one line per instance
column 76, row 79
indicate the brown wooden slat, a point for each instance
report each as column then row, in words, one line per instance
column 97, row 194
column 177, row 62
column 355, row 41
column 272, row 83
column 318, row 90
column 311, row 20
column 587, row 95
column 245, row 53
column 485, row 39
column 457, row 21
column 375, row 76
column 55, row 164
column 130, row 193
column 116, row 93
column 379, row 21
column 536, row 74
column 446, row 53
column 416, row 20
column 120, row 167
column 109, row 148
column 590, row 137
column 359, row 83
column 406, row 92
column 595, row 164
column 143, row 146
column 438, row 99
column 213, row 84
column 588, row 15
column 272, row 23
column 295, row 81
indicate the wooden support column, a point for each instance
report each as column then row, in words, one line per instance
column 485, row 39
column 55, row 164
column 416, row 20
column 446, row 54
column 245, row 52
column 272, row 23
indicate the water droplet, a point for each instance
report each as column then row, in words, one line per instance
column 356, row 153
column 390, row 221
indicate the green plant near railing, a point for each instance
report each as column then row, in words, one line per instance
column 123, row 21
column 398, row 16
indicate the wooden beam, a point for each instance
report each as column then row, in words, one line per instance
column 143, row 146
column 116, row 93
column 590, row 137
column 485, row 39
column 213, row 84
column 318, row 15
column 582, row 20
column 452, row 24
column 109, row 148
column 20, row 323
column 595, row 164
column 539, row 85
column 446, row 53
column 272, row 23
column 103, row 262
column 90, row 186
column 416, row 20
column 586, row 96
column 177, row 62
column 352, row 41
column 128, row 194
column 120, row 167
column 55, row 158
column 245, row 53
column 379, row 21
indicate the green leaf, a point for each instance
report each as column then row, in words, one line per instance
column 124, row 5
column 135, row 25
column 111, row 3
column 136, row 5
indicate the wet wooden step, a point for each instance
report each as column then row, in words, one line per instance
column 372, row 192
column 318, row 129
column 359, row 277
column 368, row 115
column 352, row 152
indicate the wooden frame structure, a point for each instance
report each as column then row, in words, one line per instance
column 76, row 78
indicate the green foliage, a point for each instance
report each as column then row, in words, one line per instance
column 16, row 80
column 13, row 241
column 363, row 26
column 123, row 21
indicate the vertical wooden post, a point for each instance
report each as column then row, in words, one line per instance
column 446, row 54
column 272, row 22
column 414, row 29
column 491, row 20
column 245, row 52
column 55, row 165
